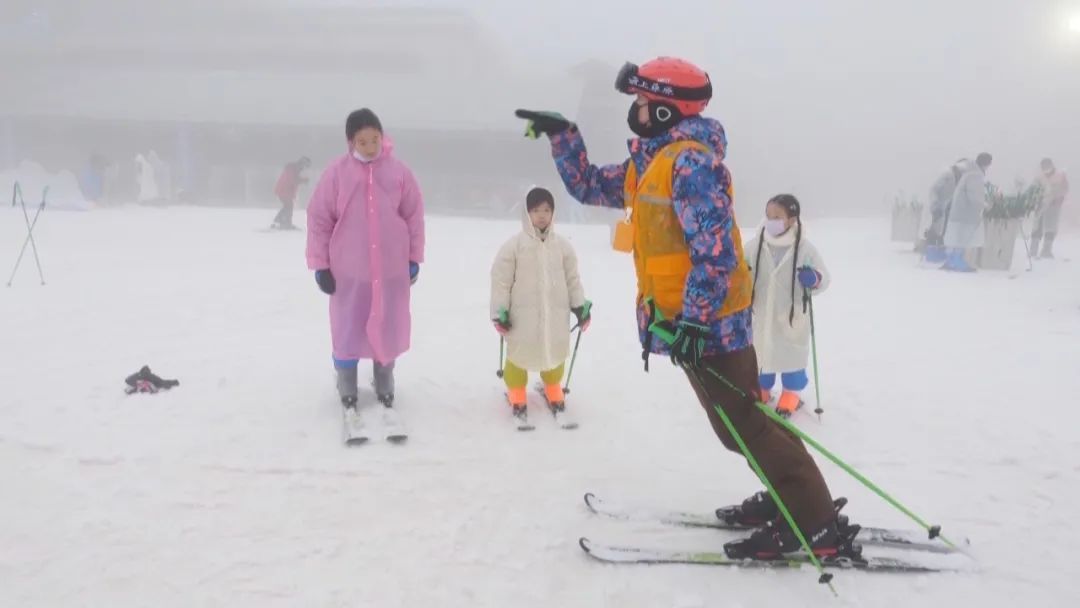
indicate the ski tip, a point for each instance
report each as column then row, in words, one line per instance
column 585, row 544
column 589, row 499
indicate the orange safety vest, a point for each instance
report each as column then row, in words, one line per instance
column 661, row 256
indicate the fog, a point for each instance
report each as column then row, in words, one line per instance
column 842, row 102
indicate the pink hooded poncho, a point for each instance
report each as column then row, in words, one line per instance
column 366, row 223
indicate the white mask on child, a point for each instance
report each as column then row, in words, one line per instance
column 363, row 158
column 775, row 227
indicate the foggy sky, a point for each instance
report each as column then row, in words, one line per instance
column 842, row 102
column 835, row 99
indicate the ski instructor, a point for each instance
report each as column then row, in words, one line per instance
column 690, row 271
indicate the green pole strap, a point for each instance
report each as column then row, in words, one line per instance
column 934, row 531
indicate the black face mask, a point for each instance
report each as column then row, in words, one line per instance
column 661, row 118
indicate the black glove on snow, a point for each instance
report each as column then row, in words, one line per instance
column 326, row 281
column 145, row 381
column 548, row 123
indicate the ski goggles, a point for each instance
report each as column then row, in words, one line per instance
column 630, row 81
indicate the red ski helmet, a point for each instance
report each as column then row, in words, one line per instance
column 670, row 80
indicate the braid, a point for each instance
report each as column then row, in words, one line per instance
column 757, row 266
column 794, row 268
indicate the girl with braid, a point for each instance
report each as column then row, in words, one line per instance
column 787, row 270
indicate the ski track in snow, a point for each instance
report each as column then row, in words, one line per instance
column 234, row 489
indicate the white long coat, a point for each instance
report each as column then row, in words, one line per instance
column 537, row 280
column 782, row 344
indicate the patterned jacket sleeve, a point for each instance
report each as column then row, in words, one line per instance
column 589, row 184
column 701, row 200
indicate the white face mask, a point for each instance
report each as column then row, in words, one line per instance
column 361, row 157
column 775, row 227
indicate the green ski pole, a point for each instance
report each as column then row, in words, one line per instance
column 502, row 343
column 825, row 577
column 503, row 320
column 934, row 531
column 813, row 345
column 586, row 308
column 570, row 372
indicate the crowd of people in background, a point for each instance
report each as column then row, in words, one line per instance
column 959, row 197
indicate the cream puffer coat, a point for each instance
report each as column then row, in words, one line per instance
column 535, row 277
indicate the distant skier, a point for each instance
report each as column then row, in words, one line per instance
column 1055, row 187
column 288, row 184
column 147, row 181
column 785, row 266
column 941, row 194
column 535, row 287
column 365, row 242
column 690, row 269
column 964, row 228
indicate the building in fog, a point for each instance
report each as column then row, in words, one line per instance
column 226, row 93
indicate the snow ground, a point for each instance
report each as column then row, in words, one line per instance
column 234, row 489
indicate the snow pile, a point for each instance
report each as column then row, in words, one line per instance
column 63, row 188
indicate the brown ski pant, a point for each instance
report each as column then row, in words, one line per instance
column 781, row 455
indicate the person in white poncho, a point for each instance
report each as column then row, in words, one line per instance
column 535, row 287
column 787, row 269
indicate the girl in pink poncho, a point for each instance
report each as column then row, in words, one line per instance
column 366, row 243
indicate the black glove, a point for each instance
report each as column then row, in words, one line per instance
column 548, row 123
column 326, row 281
column 689, row 345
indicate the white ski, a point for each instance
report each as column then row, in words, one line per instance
column 356, row 431
column 563, row 417
column 393, row 427
column 522, row 421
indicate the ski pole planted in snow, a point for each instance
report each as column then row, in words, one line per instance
column 17, row 198
column 825, row 577
column 934, row 531
column 577, row 343
column 1027, row 248
column 502, row 345
column 809, row 301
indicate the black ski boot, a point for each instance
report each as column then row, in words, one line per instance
column 382, row 381
column 520, row 412
column 755, row 511
column 835, row 539
column 777, row 539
